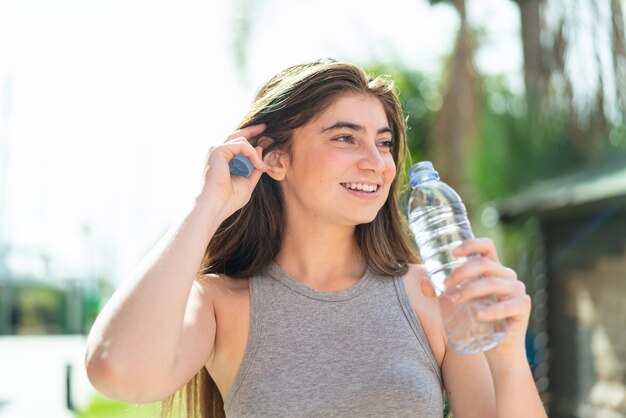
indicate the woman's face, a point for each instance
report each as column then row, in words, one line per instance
column 340, row 168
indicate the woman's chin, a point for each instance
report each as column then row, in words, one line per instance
column 366, row 219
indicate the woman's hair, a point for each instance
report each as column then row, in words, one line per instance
column 250, row 238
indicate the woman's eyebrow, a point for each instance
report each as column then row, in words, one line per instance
column 353, row 127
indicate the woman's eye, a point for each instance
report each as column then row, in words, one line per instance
column 349, row 139
column 387, row 144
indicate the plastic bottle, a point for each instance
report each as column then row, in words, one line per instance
column 439, row 223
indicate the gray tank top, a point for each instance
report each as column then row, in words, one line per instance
column 359, row 352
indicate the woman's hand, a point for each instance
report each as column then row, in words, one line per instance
column 514, row 304
column 222, row 188
column 502, row 383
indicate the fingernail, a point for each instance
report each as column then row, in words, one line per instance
column 481, row 313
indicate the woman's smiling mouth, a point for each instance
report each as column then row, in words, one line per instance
column 361, row 187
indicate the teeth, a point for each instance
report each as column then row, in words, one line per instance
column 360, row 186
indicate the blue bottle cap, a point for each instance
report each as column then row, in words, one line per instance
column 240, row 166
column 421, row 172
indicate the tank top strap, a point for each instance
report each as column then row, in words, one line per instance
column 255, row 332
column 416, row 325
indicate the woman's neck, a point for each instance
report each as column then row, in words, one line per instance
column 322, row 257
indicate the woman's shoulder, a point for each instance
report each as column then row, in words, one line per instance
column 221, row 282
column 426, row 309
column 413, row 277
column 218, row 287
column 416, row 271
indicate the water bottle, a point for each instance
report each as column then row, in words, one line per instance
column 439, row 223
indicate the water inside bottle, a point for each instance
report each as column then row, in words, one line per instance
column 438, row 230
column 466, row 334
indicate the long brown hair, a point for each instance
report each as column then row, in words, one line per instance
column 250, row 238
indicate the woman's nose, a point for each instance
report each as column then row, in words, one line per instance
column 371, row 159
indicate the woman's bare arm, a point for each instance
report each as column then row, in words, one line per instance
column 498, row 382
column 132, row 347
column 158, row 328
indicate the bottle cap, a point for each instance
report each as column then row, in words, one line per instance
column 240, row 166
column 421, row 172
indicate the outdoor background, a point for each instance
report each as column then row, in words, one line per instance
column 107, row 110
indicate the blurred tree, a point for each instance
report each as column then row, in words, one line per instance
column 575, row 62
column 536, row 72
column 512, row 150
column 487, row 142
column 575, row 107
column 454, row 126
column 573, row 112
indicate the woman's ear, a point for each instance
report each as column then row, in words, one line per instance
column 277, row 163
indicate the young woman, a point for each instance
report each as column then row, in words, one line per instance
column 296, row 291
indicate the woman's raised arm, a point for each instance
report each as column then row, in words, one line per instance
column 158, row 328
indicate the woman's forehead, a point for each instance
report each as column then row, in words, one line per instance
column 360, row 108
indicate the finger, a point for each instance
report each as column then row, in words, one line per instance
column 477, row 267
column 487, row 286
column 511, row 308
column 242, row 146
column 259, row 157
column 255, row 176
column 238, row 139
column 248, row 132
column 208, row 154
column 255, row 156
column 482, row 246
